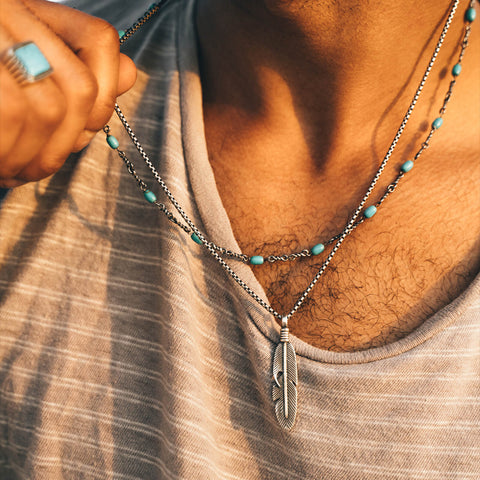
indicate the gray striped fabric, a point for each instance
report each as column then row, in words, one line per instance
column 127, row 353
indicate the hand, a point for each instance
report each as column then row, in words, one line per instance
column 41, row 123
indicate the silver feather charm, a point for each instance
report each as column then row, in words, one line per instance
column 285, row 377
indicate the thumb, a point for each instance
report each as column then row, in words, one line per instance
column 127, row 74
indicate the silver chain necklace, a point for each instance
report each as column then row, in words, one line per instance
column 284, row 370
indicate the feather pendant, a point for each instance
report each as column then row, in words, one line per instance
column 285, row 377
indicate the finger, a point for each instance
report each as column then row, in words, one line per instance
column 74, row 79
column 13, row 110
column 127, row 74
column 29, row 115
column 100, row 56
column 11, row 183
column 126, row 80
column 103, row 60
column 115, row 73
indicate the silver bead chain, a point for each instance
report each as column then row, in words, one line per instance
column 219, row 252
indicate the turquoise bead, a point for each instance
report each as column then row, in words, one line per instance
column 456, row 70
column 256, row 260
column 113, row 142
column 370, row 211
column 121, row 33
column 318, row 249
column 196, row 238
column 470, row 15
column 437, row 123
column 407, row 166
column 149, row 196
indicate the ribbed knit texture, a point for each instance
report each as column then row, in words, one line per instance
column 127, row 353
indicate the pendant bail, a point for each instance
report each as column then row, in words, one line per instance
column 284, row 332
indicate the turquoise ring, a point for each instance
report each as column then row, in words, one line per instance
column 26, row 63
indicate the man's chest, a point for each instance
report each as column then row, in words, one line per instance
column 384, row 281
column 413, row 257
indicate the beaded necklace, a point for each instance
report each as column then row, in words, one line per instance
column 284, row 369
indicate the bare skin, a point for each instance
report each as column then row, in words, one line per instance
column 301, row 101
column 43, row 122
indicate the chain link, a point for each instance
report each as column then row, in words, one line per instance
column 356, row 219
column 151, row 12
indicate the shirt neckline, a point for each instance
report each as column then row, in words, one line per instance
column 218, row 227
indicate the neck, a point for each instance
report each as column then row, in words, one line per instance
column 301, row 102
column 332, row 78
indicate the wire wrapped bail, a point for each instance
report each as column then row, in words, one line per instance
column 284, row 332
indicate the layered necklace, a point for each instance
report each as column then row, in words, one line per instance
column 284, row 366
